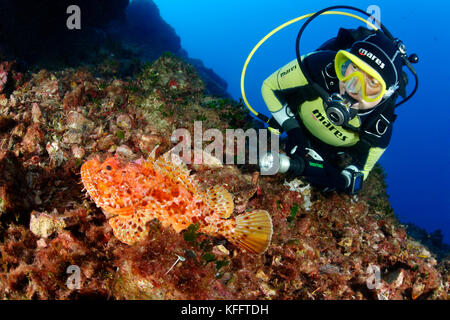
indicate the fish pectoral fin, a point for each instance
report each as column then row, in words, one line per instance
column 130, row 228
column 112, row 212
column 178, row 224
column 219, row 199
column 253, row 231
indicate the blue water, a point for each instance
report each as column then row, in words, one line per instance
column 223, row 32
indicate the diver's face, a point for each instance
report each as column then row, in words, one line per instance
column 354, row 88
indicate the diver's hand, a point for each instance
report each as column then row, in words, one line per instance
column 295, row 144
column 354, row 179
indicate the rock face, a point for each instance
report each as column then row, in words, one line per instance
column 113, row 32
column 144, row 27
column 324, row 246
column 14, row 197
column 36, row 32
column 144, row 30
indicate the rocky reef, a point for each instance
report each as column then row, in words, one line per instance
column 66, row 96
column 35, row 32
column 324, row 246
column 116, row 33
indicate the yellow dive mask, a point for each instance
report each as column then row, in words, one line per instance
column 358, row 77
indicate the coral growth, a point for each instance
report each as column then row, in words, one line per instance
column 324, row 246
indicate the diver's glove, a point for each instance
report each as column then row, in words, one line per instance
column 354, row 179
column 295, row 144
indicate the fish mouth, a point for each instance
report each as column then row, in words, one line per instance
column 89, row 167
column 88, row 171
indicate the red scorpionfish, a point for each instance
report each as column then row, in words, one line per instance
column 133, row 193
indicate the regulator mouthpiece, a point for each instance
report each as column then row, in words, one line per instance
column 338, row 109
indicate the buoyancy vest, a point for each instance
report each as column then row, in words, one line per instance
column 373, row 126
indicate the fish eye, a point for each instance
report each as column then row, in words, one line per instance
column 108, row 168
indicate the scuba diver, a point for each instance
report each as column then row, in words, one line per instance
column 360, row 70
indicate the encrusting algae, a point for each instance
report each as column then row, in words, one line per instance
column 131, row 194
column 321, row 248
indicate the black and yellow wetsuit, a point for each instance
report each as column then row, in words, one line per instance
column 287, row 90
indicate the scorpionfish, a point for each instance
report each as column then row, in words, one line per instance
column 133, row 193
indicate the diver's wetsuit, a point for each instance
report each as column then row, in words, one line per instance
column 288, row 87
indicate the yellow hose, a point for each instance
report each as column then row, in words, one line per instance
column 271, row 33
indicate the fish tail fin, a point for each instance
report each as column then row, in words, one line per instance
column 220, row 200
column 253, row 231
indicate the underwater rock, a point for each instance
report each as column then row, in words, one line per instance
column 44, row 225
column 124, row 122
column 147, row 270
column 77, row 122
column 148, row 142
column 6, row 123
column 305, row 190
column 13, row 199
column 150, row 36
column 9, row 77
column 115, row 34
column 125, row 151
column 36, row 33
column 129, row 288
column 55, row 152
column 3, row 77
column 74, row 98
column 395, row 278
column 215, row 85
column 144, row 28
column 32, row 142
column 322, row 244
column 207, row 161
column 36, row 113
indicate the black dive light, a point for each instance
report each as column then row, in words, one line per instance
column 280, row 163
column 273, row 163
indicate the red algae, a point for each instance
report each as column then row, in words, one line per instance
column 323, row 245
